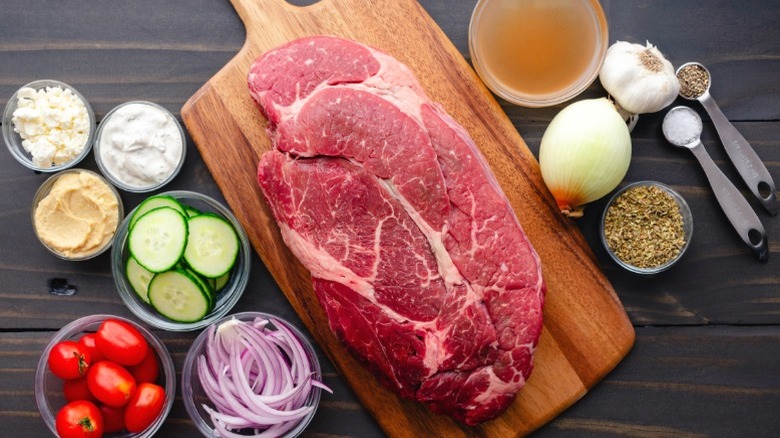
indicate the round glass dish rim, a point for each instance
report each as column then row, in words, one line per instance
column 526, row 100
column 80, row 325
column 14, row 142
column 44, row 190
column 685, row 211
column 129, row 297
column 187, row 374
column 116, row 181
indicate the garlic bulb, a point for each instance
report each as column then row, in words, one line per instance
column 584, row 154
column 638, row 77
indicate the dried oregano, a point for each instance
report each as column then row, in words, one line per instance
column 644, row 227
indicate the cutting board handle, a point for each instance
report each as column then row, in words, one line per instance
column 258, row 15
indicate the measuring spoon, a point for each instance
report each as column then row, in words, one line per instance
column 682, row 127
column 749, row 166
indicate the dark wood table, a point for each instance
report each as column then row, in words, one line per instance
column 707, row 355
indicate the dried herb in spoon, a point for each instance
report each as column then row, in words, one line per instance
column 694, row 81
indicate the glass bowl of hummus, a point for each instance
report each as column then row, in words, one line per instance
column 140, row 146
column 75, row 214
column 48, row 126
column 49, row 394
column 223, row 292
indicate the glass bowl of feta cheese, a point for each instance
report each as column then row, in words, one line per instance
column 48, row 126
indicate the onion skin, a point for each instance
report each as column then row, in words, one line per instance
column 584, row 154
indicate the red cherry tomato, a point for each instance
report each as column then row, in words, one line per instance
column 113, row 418
column 88, row 341
column 146, row 371
column 69, row 360
column 77, row 389
column 121, row 342
column 144, row 407
column 79, row 419
column 110, row 383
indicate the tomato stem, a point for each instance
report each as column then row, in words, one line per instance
column 87, row 424
column 83, row 365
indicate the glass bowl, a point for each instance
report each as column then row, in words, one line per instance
column 226, row 297
column 111, row 168
column 687, row 226
column 48, row 387
column 14, row 141
column 194, row 395
column 557, row 59
column 46, row 188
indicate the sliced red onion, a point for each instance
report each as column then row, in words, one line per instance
column 258, row 379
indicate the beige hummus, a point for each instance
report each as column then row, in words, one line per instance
column 79, row 215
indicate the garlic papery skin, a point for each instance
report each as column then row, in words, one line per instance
column 638, row 77
column 584, row 154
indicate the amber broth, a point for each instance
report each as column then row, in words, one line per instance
column 537, row 47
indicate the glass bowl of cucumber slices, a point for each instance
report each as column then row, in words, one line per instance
column 180, row 260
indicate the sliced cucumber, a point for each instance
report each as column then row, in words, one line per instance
column 221, row 282
column 191, row 211
column 212, row 245
column 176, row 295
column 217, row 284
column 153, row 202
column 139, row 278
column 158, row 238
column 205, row 286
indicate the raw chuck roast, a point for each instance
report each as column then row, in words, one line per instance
column 416, row 256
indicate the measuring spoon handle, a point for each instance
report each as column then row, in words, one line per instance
column 737, row 209
column 748, row 164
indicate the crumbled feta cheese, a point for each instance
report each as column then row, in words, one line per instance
column 53, row 123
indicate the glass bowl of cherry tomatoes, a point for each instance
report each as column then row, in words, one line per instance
column 106, row 375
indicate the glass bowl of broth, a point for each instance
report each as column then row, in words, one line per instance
column 538, row 53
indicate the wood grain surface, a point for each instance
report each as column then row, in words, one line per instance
column 706, row 362
column 586, row 331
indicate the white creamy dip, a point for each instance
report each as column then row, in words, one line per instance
column 140, row 145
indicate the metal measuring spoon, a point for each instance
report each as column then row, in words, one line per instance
column 748, row 164
column 737, row 209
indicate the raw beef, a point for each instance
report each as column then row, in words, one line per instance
column 415, row 254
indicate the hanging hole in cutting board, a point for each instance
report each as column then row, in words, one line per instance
column 302, row 3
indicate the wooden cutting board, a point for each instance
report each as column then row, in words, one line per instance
column 586, row 331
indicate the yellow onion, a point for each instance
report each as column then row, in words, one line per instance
column 584, row 154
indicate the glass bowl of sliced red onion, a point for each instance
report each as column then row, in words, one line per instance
column 251, row 374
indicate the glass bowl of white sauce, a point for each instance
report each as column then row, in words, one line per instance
column 140, row 146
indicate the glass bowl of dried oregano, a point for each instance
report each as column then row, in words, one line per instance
column 646, row 227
